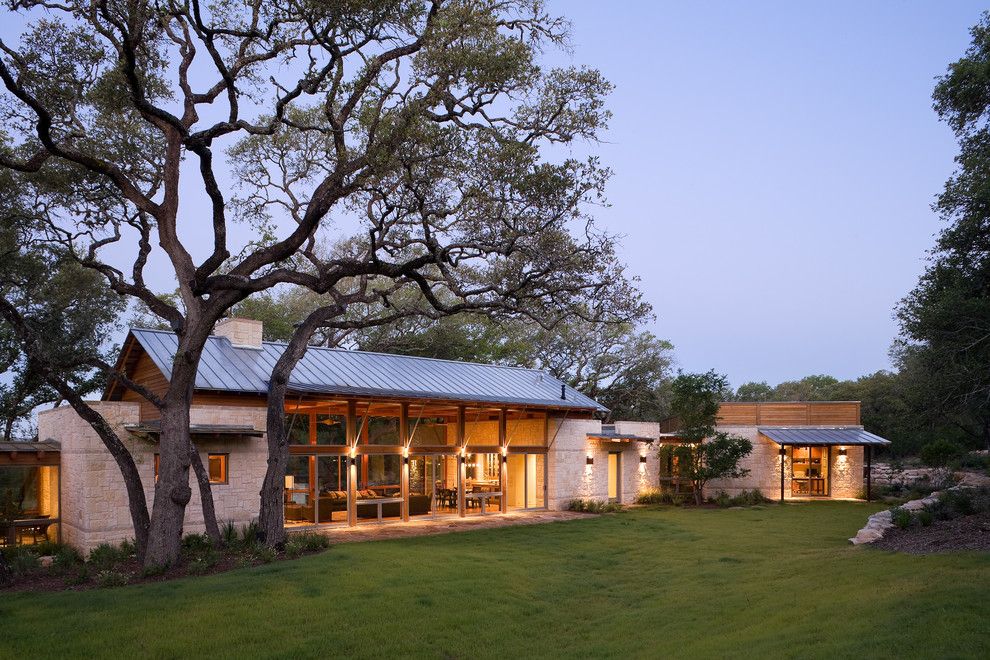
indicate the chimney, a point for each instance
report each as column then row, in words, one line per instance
column 242, row 333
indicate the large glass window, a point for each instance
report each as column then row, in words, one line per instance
column 809, row 471
column 29, row 503
column 331, row 475
column 300, row 490
column 297, row 428
column 331, row 429
column 432, row 485
column 482, row 487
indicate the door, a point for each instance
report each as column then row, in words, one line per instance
column 432, row 485
column 614, row 476
column 809, row 471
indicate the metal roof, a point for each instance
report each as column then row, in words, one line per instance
column 227, row 368
column 618, row 437
column 850, row 435
column 43, row 445
column 154, row 427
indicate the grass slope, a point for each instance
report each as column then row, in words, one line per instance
column 779, row 581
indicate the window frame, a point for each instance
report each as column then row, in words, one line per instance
column 225, row 458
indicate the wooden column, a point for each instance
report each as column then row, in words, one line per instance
column 405, row 439
column 461, row 458
column 351, row 464
column 503, row 472
column 314, row 491
column 783, row 453
column 869, row 470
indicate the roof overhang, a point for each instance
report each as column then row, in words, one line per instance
column 45, row 452
column 822, row 436
column 619, row 437
column 151, row 430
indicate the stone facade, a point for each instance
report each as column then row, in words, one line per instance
column 845, row 472
column 570, row 476
column 94, row 500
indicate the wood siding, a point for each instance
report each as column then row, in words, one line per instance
column 146, row 373
column 791, row 413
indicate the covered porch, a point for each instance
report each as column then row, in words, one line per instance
column 810, row 456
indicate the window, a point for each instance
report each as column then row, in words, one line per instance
column 156, row 468
column 217, row 468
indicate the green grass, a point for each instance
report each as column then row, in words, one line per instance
column 777, row 581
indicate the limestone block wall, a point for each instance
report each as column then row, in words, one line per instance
column 636, row 475
column 846, row 472
column 94, row 500
column 570, row 476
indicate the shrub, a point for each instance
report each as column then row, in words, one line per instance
column 79, row 576
column 654, row 496
column 975, row 461
column 940, row 453
column 112, row 578
column 250, row 533
column 21, row 561
column 197, row 542
column 264, row 554
column 311, row 541
column 901, row 518
column 228, row 534
column 722, row 499
column 926, row 517
column 65, row 559
column 106, row 556
column 750, row 498
column 594, row 506
column 204, row 562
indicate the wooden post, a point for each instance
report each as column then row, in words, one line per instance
column 461, row 459
column 314, row 491
column 404, row 483
column 783, row 453
column 869, row 474
column 503, row 477
column 351, row 435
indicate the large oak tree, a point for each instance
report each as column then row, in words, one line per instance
column 423, row 132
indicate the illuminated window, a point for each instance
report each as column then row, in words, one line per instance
column 218, row 468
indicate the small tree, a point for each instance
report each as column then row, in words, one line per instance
column 704, row 452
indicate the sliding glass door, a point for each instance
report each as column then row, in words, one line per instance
column 809, row 471
column 527, row 481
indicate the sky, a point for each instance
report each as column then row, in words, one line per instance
column 774, row 167
column 775, row 164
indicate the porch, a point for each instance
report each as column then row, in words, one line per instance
column 30, row 490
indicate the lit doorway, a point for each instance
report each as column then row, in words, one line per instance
column 614, row 476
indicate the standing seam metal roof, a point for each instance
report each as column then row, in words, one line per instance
column 228, row 368
column 822, row 436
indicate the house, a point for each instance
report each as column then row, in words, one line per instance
column 376, row 437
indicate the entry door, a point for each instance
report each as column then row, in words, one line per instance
column 614, row 476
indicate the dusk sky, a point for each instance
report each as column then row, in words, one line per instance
column 774, row 165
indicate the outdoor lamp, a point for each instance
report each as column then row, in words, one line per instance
column 842, row 451
column 782, row 452
column 591, row 460
column 642, row 459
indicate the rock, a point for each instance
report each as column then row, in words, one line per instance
column 46, row 562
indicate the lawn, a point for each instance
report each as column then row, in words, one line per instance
column 777, row 581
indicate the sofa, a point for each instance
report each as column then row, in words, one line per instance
column 333, row 507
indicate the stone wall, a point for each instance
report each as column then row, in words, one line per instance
column 846, row 472
column 94, row 500
column 570, row 476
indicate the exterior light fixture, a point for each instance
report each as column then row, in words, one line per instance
column 642, row 459
column 843, row 451
column 405, row 460
column 782, row 452
column 591, row 460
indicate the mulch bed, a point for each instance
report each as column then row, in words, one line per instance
column 965, row 533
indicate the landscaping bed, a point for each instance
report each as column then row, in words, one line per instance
column 59, row 567
column 965, row 533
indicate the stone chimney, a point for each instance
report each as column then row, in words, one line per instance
column 242, row 333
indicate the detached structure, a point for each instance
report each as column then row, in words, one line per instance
column 377, row 437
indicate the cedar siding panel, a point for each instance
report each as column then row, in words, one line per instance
column 790, row 413
column 146, row 373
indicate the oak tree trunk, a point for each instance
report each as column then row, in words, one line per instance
column 205, row 496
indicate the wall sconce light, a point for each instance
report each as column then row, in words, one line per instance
column 642, row 459
column 842, row 451
column 405, row 460
column 591, row 460
column 782, row 452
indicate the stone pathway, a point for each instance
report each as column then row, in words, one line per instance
column 433, row 526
